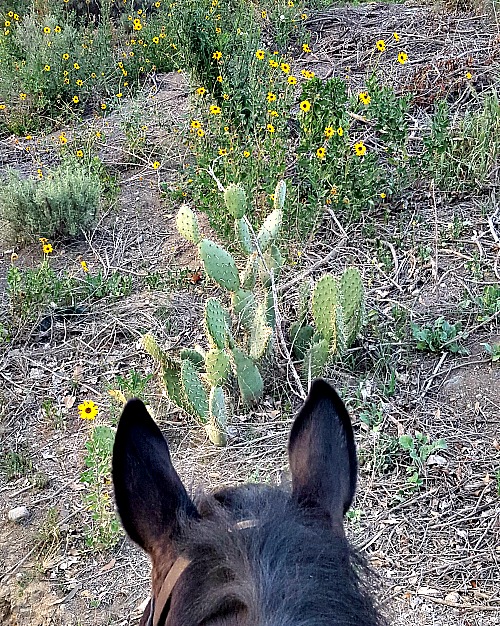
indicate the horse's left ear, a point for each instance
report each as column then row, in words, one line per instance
column 149, row 494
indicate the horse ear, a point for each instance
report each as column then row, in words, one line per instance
column 322, row 455
column 149, row 494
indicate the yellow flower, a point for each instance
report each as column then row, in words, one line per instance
column 47, row 248
column 79, row 82
column 98, row 134
column 76, row 66
column 225, row 96
column 66, row 81
column 218, row 30
column 305, row 105
column 63, row 139
column 195, row 124
column 246, row 154
column 46, row 68
column 260, row 54
column 306, row 48
column 402, row 58
column 380, row 45
column 22, row 96
column 329, row 132
column 290, row 3
column 270, row 128
column 340, row 131
column 137, row 26
column 264, row 15
column 271, row 97
column 119, row 95
column 16, row 17
column 57, row 29
column 321, row 153
column 285, row 68
column 303, row 16
column 104, row 106
column 156, row 40
column 46, row 30
column 76, row 99
column 65, row 56
column 201, row 91
column 200, row 132
column 364, row 97
column 307, row 74
column 273, row 63
column 382, row 195
column 43, row 240
column 219, row 79
column 13, row 257
column 6, row 23
column 396, row 36
column 468, row 76
column 79, row 153
column 273, row 113
column 222, row 152
column 217, row 55
column 88, row 410
column 156, row 165
column 84, row 266
column 359, row 148
column 3, row 107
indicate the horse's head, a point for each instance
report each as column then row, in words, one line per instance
column 248, row 555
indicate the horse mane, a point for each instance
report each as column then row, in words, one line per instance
column 281, row 567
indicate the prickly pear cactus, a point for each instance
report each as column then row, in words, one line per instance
column 352, row 294
column 187, row 224
column 243, row 302
column 279, row 195
column 270, row 229
column 235, row 199
column 194, row 390
column 248, row 376
column 243, row 236
column 194, row 356
column 327, row 312
column 217, row 367
column 260, row 332
column 219, row 265
column 317, row 356
column 217, row 419
column 217, row 323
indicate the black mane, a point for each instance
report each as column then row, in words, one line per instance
column 280, row 567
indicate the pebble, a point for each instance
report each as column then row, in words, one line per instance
column 18, row 514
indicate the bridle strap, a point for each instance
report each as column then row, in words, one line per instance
column 157, row 607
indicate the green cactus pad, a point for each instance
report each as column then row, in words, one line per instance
column 219, row 265
column 271, row 312
column 243, row 236
column 274, row 261
column 305, row 290
column 248, row 376
column 236, row 200
column 187, row 224
column 217, row 367
column 280, row 195
column 151, row 346
column 352, row 293
column 301, row 337
column 260, row 332
column 194, row 356
column 243, row 302
column 217, row 420
column 217, row 323
column 326, row 307
column 248, row 277
column 194, row 390
column 317, row 357
column 170, row 374
column 270, row 229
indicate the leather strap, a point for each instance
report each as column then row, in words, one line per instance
column 157, row 607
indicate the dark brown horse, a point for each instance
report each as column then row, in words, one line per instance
column 250, row 555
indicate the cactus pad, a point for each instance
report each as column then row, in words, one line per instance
column 217, row 419
column 301, row 337
column 194, row 390
column 248, row 376
column 243, row 236
column 248, row 277
column 326, row 309
column 352, row 295
column 187, row 224
column 270, row 229
column 279, row 195
column 217, row 323
column 193, row 355
column 243, row 302
column 260, row 332
column 217, row 367
column 236, row 200
column 219, row 265
column 317, row 357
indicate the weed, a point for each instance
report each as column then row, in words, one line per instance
column 439, row 336
column 493, row 349
column 419, row 449
column 134, row 385
column 104, row 530
column 15, row 464
column 53, row 414
column 60, row 204
column 488, row 302
column 48, row 538
column 371, row 415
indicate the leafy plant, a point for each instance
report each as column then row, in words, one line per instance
column 60, row 204
column 419, row 448
column 134, row 385
column 493, row 349
column 105, row 529
column 441, row 335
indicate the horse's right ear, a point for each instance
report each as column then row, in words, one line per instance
column 149, row 494
column 322, row 456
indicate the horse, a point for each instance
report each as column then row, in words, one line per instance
column 250, row 555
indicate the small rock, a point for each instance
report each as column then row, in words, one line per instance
column 18, row 514
column 453, row 597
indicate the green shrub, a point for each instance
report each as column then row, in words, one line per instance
column 58, row 205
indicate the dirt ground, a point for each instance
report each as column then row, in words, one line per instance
column 437, row 548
